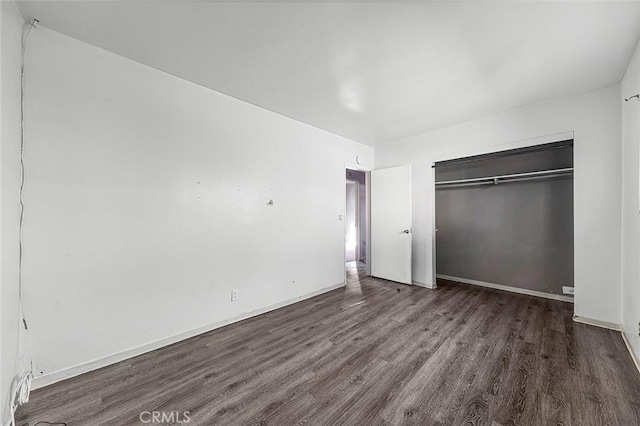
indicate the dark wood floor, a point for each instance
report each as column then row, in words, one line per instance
column 374, row 353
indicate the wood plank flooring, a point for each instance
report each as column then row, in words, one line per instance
column 373, row 353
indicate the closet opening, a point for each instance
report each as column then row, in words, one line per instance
column 505, row 220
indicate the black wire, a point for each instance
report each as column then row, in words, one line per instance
column 47, row 423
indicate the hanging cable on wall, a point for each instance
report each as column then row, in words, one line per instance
column 23, row 387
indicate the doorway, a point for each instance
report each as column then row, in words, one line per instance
column 355, row 216
column 351, row 246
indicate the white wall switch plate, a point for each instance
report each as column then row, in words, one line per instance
column 567, row 290
column 235, row 294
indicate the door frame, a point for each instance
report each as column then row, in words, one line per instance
column 367, row 188
column 357, row 217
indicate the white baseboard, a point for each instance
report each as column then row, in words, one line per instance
column 421, row 284
column 611, row 326
column 634, row 356
column 67, row 373
column 597, row 323
column 507, row 288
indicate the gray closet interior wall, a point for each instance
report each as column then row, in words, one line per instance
column 518, row 234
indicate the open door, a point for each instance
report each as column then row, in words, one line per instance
column 391, row 224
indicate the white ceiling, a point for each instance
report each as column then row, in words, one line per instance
column 371, row 71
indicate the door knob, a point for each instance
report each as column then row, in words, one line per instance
column 406, row 231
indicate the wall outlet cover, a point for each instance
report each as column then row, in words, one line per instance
column 567, row 290
column 235, row 294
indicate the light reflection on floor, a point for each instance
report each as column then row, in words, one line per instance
column 356, row 273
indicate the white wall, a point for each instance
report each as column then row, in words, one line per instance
column 11, row 27
column 147, row 204
column 595, row 120
column 631, row 204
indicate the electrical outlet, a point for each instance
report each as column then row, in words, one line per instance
column 639, row 329
column 567, row 290
column 235, row 294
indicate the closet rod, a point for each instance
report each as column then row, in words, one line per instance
column 493, row 183
column 517, row 176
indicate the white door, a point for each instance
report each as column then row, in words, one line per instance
column 391, row 224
